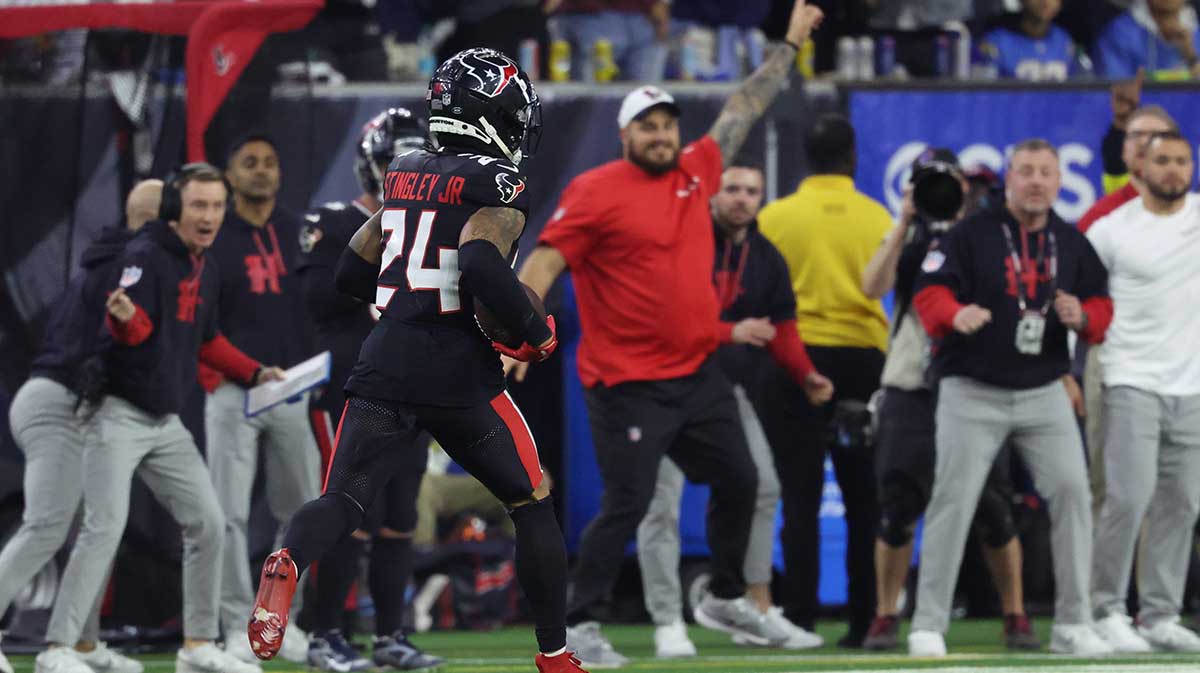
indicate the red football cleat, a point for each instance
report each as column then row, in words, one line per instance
column 563, row 663
column 270, row 616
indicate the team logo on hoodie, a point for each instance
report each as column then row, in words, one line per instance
column 130, row 276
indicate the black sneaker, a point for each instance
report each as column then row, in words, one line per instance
column 398, row 653
column 329, row 651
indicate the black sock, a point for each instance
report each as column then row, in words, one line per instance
column 391, row 566
column 542, row 570
column 335, row 575
column 318, row 526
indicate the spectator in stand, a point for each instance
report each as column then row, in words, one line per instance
column 734, row 25
column 1125, row 97
column 1158, row 35
column 1142, row 125
column 636, row 29
column 1152, row 404
column 828, row 232
column 908, row 15
column 1029, row 46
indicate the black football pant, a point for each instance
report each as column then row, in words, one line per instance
column 692, row 419
column 376, row 444
column 800, row 435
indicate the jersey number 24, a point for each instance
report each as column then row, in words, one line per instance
column 442, row 278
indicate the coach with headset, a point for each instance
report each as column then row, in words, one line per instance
column 161, row 319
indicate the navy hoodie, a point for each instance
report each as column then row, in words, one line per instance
column 262, row 309
column 178, row 293
column 73, row 332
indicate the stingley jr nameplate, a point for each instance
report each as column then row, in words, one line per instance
column 297, row 380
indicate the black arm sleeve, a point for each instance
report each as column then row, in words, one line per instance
column 1110, row 151
column 492, row 281
column 356, row 277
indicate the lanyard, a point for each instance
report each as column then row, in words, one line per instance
column 273, row 261
column 727, row 291
column 1051, row 266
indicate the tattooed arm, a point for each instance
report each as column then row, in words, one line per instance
column 499, row 226
column 368, row 240
column 755, row 94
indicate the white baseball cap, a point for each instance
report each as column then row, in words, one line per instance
column 641, row 99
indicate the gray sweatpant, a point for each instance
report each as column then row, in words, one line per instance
column 973, row 421
column 1093, row 397
column 1153, row 445
column 658, row 534
column 46, row 429
column 121, row 439
column 293, row 466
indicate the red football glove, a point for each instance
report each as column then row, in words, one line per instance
column 527, row 353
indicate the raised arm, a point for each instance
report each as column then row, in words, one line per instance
column 755, row 94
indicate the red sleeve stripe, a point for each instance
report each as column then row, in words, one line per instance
column 132, row 332
column 337, row 439
column 1099, row 311
column 936, row 306
column 788, row 350
column 522, row 437
column 224, row 357
column 323, row 432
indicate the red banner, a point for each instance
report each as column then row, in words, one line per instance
column 222, row 38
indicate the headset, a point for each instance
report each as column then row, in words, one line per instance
column 171, row 206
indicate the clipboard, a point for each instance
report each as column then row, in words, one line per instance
column 298, row 380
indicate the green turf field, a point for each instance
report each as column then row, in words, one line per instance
column 974, row 645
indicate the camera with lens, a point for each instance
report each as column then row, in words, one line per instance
column 937, row 185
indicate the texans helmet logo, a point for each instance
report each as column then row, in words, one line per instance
column 509, row 186
column 494, row 77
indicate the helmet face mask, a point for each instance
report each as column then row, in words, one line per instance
column 387, row 134
column 481, row 101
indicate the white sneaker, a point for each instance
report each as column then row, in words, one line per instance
column 926, row 644
column 672, row 642
column 1081, row 640
column 1172, row 636
column 237, row 645
column 1117, row 630
column 60, row 660
column 295, row 645
column 801, row 638
column 103, row 660
column 5, row 667
column 208, row 658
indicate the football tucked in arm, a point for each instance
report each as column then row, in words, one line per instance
column 494, row 330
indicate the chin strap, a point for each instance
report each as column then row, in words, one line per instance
column 514, row 157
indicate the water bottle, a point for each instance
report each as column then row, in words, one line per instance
column 866, row 58
column 604, row 66
column 560, row 61
column 527, row 56
column 886, row 55
column 847, row 58
column 942, row 56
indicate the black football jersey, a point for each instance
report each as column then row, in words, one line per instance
column 427, row 347
column 341, row 321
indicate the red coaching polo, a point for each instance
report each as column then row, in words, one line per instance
column 640, row 249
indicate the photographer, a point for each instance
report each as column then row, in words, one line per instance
column 1001, row 291
column 904, row 462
